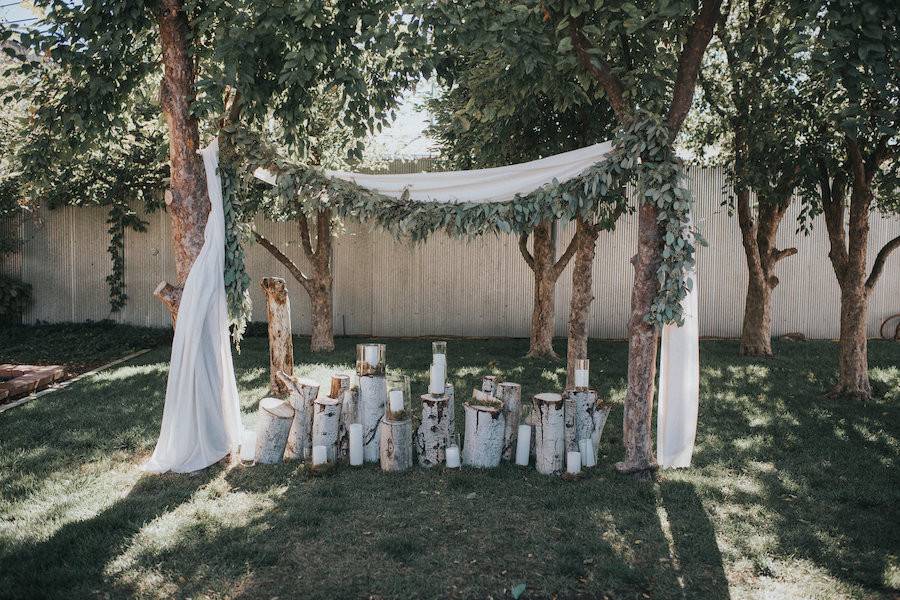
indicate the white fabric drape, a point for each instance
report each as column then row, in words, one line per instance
column 201, row 420
column 477, row 186
column 679, row 387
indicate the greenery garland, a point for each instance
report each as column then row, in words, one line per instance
column 237, row 282
column 642, row 154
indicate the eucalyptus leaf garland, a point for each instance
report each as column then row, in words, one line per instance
column 642, row 154
column 237, row 281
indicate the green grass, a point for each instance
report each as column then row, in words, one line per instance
column 793, row 495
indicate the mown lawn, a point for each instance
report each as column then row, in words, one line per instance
column 792, row 496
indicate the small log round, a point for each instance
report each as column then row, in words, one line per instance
column 272, row 428
column 302, row 394
column 395, row 448
column 281, row 345
column 372, row 398
column 549, row 433
column 483, row 441
column 433, row 435
column 327, row 426
column 510, row 394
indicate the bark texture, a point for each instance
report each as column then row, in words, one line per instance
column 395, row 449
column 483, row 440
column 273, row 425
column 433, row 435
column 303, row 393
column 372, row 398
column 549, row 434
column 547, row 269
column 327, row 426
column 281, row 345
column 582, row 295
column 319, row 282
column 187, row 200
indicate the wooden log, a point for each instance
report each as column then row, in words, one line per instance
column 281, row 346
column 395, row 448
column 601, row 413
column 302, row 394
column 489, row 384
column 571, row 439
column 327, row 426
column 510, row 394
column 372, row 398
column 433, row 435
column 483, row 438
column 340, row 390
column 549, row 444
column 451, row 410
column 272, row 428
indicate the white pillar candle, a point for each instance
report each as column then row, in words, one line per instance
column 452, row 454
column 319, row 455
column 581, row 378
column 356, row 444
column 439, row 359
column 573, row 463
column 438, row 377
column 523, row 445
column 588, row 457
column 396, row 400
column 371, row 354
column 248, row 445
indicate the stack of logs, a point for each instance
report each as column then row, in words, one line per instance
column 290, row 426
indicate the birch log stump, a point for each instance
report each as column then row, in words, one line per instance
column 302, row 394
column 483, row 441
column 395, row 448
column 340, row 390
column 272, row 428
column 549, row 433
column 601, row 413
column 510, row 394
column 571, row 439
column 372, row 398
column 489, row 384
column 433, row 435
column 281, row 347
column 327, row 426
column 451, row 410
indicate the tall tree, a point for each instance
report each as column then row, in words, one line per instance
column 854, row 79
column 752, row 112
column 497, row 112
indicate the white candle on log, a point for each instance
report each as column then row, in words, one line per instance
column 356, row 444
column 523, row 445
column 573, row 463
column 371, row 354
column 438, row 377
column 248, row 445
column 396, row 400
column 453, row 457
column 439, row 359
column 319, row 455
column 586, row 447
column 581, row 378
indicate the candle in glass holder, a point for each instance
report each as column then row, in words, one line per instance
column 573, row 463
column 439, row 353
column 438, row 379
column 523, row 445
column 396, row 401
column 356, row 444
column 319, row 455
column 588, row 457
column 248, row 445
column 371, row 355
column 452, row 454
column 582, row 367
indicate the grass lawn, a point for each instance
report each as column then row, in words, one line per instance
column 792, row 496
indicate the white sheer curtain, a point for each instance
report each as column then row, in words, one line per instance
column 201, row 420
column 679, row 387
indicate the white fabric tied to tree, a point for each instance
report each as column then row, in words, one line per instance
column 679, row 386
column 201, row 420
column 477, row 186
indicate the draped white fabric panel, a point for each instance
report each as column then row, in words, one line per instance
column 478, row 186
column 679, row 387
column 201, row 420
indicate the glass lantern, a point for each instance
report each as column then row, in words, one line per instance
column 370, row 359
column 397, row 407
column 439, row 353
column 582, row 369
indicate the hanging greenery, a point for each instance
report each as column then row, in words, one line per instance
column 237, row 282
column 642, row 155
column 121, row 217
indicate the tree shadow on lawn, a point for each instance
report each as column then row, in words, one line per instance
column 820, row 473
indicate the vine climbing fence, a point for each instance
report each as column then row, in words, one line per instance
column 478, row 287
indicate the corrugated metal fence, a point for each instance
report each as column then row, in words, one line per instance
column 446, row 286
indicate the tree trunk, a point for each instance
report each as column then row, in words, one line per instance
column 187, row 200
column 853, row 379
column 582, row 295
column 281, row 345
column 637, row 428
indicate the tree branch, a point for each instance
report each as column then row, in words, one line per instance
column 281, row 257
column 601, row 71
column 689, row 63
column 780, row 254
column 523, row 248
column 304, row 236
column 560, row 265
column 880, row 259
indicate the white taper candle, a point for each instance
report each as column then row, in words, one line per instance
column 523, row 445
